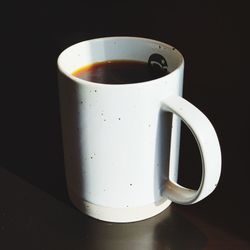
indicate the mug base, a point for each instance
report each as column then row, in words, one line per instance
column 118, row 215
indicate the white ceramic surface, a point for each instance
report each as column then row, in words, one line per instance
column 121, row 143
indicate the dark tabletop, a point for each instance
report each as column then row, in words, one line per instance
column 33, row 219
column 35, row 212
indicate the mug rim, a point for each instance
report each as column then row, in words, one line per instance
column 86, row 82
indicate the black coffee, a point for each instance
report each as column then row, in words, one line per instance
column 120, row 72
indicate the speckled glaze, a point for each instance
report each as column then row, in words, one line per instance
column 121, row 142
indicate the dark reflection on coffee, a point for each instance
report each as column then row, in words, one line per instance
column 119, row 72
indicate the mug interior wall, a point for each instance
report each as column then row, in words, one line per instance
column 116, row 48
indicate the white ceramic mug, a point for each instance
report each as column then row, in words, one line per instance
column 121, row 150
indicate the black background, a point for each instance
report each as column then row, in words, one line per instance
column 209, row 35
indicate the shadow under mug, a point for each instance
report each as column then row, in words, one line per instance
column 121, row 156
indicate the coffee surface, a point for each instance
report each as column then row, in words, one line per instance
column 119, row 72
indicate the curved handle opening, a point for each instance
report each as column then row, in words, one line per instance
column 209, row 147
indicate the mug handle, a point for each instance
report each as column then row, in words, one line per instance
column 209, row 147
